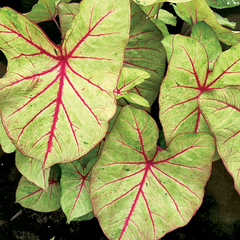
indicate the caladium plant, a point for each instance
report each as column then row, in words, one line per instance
column 79, row 113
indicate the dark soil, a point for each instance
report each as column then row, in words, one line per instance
column 217, row 219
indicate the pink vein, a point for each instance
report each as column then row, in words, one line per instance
column 88, row 34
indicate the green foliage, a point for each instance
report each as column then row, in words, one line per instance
column 79, row 113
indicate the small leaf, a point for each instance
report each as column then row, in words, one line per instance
column 167, row 17
column 197, row 11
column 67, row 12
column 35, row 198
column 75, row 200
column 224, row 21
column 139, row 191
column 44, row 10
column 136, row 99
column 145, row 51
column 5, row 141
column 205, row 35
column 130, row 78
column 221, row 109
column 32, row 170
column 223, row 3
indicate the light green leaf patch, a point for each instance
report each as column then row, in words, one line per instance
column 31, row 196
column 66, row 13
column 55, row 98
column 221, row 109
column 5, row 142
column 208, row 38
column 44, row 10
column 187, row 77
column 32, row 170
column 145, row 52
column 197, row 11
column 129, row 79
column 149, row 2
column 136, row 185
column 224, row 21
column 75, row 178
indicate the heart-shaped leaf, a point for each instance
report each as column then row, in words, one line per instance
column 44, row 10
column 139, row 191
column 208, row 38
column 75, row 177
column 32, row 170
column 145, row 51
column 5, row 142
column 221, row 109
column 197, row 11
column 187, row 78
column 56, row 98
column 31, row 196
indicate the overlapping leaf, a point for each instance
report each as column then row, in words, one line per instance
column 149, row 2
column 32, row 170
column 31, row 196
column 130, row 78
column 187, row 78
column 198, row 10
column 44, row 10
column 139, row 191
column 221, row 109
column 56, row 98
column 75, row 178
column 145, row 51
column 67, row 12
column 5, row 142
column 207, row 37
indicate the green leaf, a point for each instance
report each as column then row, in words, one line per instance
column 86, row 217
column 223, row 3
column 145, row 51
column 161, row 26
column 207, row 37
column 197, row 11
column 31, row 196
column 149, row 2
column 130, row 78
column 44, row 10
column 167, row 17
column 221, row 110
column 224, row 21
column 32, row 170
column 139, row 191
column 136, row 99
column 66, row 13
column 75, row 200
column 152, row 12
column 187, row 77
column 55, row 98
column 5, row 141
